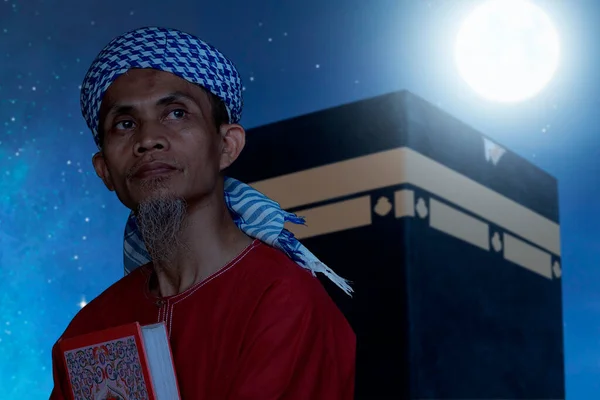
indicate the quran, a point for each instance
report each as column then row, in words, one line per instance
column 121, row 363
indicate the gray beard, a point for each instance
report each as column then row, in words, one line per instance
column 161, row 220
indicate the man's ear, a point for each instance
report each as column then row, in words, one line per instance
column 102, row 170
column 233, row 140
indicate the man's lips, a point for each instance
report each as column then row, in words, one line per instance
column 153, row 169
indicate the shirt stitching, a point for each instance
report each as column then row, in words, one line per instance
column 171, row 307
column 219, row 273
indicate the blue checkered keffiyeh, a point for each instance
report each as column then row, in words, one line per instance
column 166, row 50
column 198, row 62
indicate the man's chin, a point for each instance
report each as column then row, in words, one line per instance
column 151, row 188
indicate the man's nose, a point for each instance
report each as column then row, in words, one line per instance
column 151, row 136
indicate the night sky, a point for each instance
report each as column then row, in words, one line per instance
column 61, row 230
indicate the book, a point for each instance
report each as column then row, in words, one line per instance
column 451, row 241
column 121, row 363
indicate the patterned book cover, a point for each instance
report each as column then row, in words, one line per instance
column 108, row 365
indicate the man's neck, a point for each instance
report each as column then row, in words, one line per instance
column 210, row 240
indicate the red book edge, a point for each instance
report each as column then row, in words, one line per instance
column 133, row 329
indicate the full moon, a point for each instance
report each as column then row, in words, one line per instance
column 507, row 50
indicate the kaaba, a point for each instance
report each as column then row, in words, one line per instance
column 451, row 241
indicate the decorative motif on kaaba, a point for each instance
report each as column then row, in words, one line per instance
column 493, row 152
column 496, row 242
column 556, row 269
column 404, row 203
column 421, row 208
column 383, row 206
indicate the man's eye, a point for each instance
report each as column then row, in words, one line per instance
column 178, row 114
column 126, row 124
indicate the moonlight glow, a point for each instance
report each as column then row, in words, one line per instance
column 507, row 50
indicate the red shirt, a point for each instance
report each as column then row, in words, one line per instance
column 260, row 328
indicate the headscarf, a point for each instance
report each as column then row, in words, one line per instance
column 200, row 63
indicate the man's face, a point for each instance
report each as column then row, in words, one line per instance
column 160, row 139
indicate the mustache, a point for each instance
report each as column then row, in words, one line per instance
column 145, row 160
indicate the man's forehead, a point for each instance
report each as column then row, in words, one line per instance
column 139, row 87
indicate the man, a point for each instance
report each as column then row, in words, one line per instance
column 207, row 255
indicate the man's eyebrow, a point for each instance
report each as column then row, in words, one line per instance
column 118, row 109
column 173, row 97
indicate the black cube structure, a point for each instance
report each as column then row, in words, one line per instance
column 451, row 240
